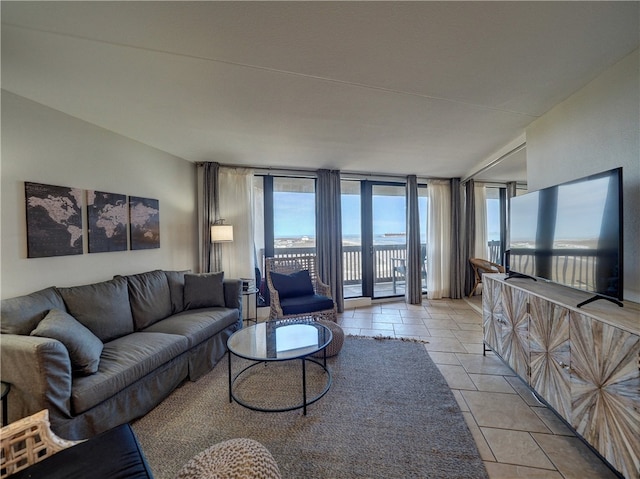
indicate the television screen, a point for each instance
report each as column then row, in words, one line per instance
column 571, row 234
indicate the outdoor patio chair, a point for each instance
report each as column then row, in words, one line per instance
column 296, row 291
column 481, row 266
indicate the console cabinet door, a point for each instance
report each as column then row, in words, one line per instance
column 550, row 354
column 492, row 314
column 605, row 390
column 515, row 330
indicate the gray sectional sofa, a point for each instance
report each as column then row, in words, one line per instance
column 100, row 355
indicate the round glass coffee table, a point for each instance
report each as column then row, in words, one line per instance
column 277, row 341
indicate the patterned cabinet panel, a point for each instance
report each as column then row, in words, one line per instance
column 550, row 354
column 515, row 330
column 492, row 319
column 605, row 391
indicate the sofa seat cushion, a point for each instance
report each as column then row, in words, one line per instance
column 150, row 298
column 103, row 307
column 305, row 304
column 22, row 314
column 197, row 325
column 124, row 361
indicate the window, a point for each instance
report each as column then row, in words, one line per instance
column 294, row 214
column 285, row 216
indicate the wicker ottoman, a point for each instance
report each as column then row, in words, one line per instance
column 233, row 459
column 338, row 338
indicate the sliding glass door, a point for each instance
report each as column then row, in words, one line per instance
column 388, row 239
column 373, row 238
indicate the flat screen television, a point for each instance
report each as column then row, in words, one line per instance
column 571, row 234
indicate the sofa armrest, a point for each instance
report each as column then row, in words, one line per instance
column 233, row 293
column 39, row 371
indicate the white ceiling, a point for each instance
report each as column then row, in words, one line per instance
column 435, row 89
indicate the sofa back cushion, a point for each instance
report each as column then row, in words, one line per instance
column 203, row 290
column 22, row 314
column 150, row 298
column 104, row 307
column 176, row 288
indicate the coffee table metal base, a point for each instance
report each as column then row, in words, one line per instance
column 305, row 400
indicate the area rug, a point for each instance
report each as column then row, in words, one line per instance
column 389, row 414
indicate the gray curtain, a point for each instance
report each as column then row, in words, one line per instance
column 413, row 270
column 210, row 253
column 469, row 234
column 329, row 233
column 457, row 266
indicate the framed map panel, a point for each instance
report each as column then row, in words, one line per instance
column 144, row 217
column 107, row 215
column 54, row 220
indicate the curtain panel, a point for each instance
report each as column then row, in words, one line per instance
column 329, row 233
column 457, row 262
column 209, row 254
column 469, row 232
column 481, row 247
column 413, row 268
column 439, row 239
column 236, row 207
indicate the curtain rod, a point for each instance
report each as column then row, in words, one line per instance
column 349, row 175
column 495, row 162
column 352, row 175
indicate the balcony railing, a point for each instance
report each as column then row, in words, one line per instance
column 384, row 257
column 573, row 267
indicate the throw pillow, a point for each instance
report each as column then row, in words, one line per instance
column 292, row 285
column 203, row 290
column 83, row 346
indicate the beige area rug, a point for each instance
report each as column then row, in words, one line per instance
column 389, row 414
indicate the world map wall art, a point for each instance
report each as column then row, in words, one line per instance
column 55, row 224
column 145, row 223
column 54, row 220
column 107, row 214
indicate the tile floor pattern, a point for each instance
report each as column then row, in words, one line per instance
column 517, row 436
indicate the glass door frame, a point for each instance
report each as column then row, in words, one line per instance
column 368, row 246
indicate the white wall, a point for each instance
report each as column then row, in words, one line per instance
column 596, row 129
column 42, row 145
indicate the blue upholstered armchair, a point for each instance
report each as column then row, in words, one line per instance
column 296, row 290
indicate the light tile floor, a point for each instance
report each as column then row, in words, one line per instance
column 517, row 436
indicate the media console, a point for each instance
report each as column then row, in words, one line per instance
column 584, row 363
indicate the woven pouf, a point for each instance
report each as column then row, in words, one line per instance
column 233, row 459
column 338, row 338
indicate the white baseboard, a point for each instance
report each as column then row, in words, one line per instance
column 356, row 303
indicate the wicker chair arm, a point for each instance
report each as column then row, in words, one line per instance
column 29, row 440
column 274, row 297
column 323, row 289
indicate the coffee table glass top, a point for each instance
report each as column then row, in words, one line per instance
column 271, row 341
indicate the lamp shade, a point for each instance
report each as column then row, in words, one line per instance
column 221, row 233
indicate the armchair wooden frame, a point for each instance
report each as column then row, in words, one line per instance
column 292, row 265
